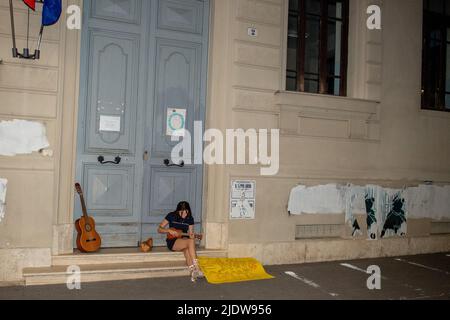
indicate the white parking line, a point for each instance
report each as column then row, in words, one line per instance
column 448, row 255
column 350, row 266
column 423, row 266
column 308, row 282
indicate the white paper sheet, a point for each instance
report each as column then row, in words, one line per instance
column 22, row 137
column 3, row 183
column 110, row 123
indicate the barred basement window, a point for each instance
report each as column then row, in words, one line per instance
column 436, row 55
column 317, row 46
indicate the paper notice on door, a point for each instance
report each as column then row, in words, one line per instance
column 110, row 123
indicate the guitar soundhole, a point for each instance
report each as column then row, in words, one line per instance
column 88, row 228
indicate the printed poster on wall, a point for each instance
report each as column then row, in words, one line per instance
column 242, row 199
column 176, row 122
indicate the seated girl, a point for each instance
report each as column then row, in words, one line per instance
column 181, row 222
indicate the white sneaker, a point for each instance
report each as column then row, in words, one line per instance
column 198, row 270
column 200, row 274
column 193, row 272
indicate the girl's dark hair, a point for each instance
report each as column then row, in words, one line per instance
column 184, row 205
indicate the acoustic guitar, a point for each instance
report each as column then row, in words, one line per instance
column 88, row 240
column 181, row 234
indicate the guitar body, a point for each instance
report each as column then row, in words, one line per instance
column 88, row 240
column 181, row 235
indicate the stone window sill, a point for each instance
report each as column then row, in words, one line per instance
column 327, row 116
column 435, row 114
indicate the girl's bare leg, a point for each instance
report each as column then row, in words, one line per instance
column 183, row 245
column 191, row 248
column 189, row 260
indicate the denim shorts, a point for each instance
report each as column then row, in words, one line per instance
column 171, row 243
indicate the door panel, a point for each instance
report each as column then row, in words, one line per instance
column 117, row 10
column 113, row 63
column 184, row 16
column 168, row 186
column 177, row 86
column 109, row 190
column 178, row 81
column 112, row 86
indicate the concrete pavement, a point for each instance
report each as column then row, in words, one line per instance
column 413, row 278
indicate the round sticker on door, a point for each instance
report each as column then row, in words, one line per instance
column 176, row 122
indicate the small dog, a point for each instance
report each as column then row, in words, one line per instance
column 147, row 246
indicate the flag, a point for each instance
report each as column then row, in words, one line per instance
column 51, row 12
column 31, row 4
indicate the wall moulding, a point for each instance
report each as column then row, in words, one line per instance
column 304, row 114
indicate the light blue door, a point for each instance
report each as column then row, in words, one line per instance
column 139, row 58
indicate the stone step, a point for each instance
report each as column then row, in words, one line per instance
column 105, row 272
column 119, row 256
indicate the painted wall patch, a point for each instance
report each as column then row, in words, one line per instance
column 387, row 210
column 3, row 183
column 22, row 137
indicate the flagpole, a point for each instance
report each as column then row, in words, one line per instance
column 37, row 52
column 26, row 51
column 13, row 31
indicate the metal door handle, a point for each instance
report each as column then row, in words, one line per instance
column 101, row 159
column 168, row 164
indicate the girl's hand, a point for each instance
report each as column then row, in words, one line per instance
column 174, row 233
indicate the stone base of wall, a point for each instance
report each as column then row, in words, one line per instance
column 216, row 236
column 12, row 262
column 306, row 251
column 63, row 239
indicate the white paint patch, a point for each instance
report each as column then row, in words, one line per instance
column 427, row 201
column 22, row 137
column 308, row 282
column 423, row 266
column 327, row 199
column 3, row 183
column 448, row 255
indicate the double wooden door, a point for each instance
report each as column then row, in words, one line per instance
column 140, row 59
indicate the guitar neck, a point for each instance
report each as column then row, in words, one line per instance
column 83, row 206
column 197, row 236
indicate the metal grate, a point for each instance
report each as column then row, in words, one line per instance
column 316, row 231
column 440, row 227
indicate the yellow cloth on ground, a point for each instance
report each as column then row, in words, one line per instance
column 226, row 270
